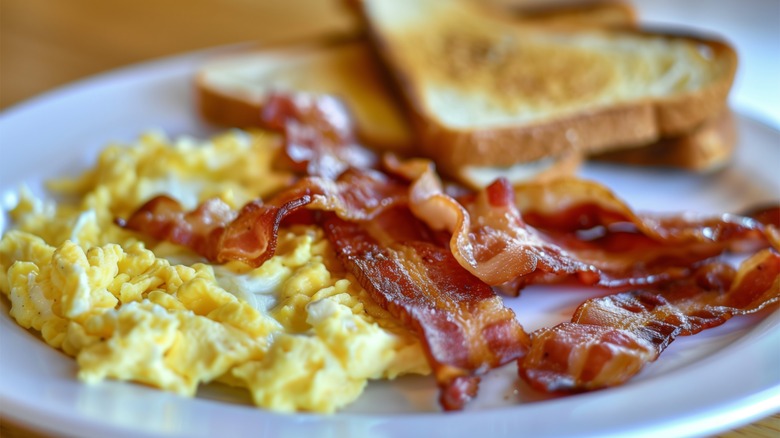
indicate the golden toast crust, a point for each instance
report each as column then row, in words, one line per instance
column 707, row 148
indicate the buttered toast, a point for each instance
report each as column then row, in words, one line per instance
column 483, row 90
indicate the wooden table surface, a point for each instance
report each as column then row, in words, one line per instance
column 48, row 43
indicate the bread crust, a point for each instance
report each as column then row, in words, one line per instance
column 684, row 113
column 591, row 13
column 626, row 126
column 223, row 109
column 707, row 148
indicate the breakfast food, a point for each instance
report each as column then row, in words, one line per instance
column 297, row 263
column 232, row 89
column 188, row 263
column 431, row 258
column 297, row 332
column 483, row 90
column 633, row 328
column 706, row 148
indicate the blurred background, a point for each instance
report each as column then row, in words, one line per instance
column 48, row 43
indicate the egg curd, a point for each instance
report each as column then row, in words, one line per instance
column 298, row 332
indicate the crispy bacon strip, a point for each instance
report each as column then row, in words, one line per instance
column 318, row 131
column 610, row 339
column 464, row 326
column 163, row 218
column 214, row 231
column 629, row 249
column 506, row 236
column 541, row 233
column 489, row 238
column 583, row 215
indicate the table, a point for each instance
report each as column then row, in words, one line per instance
column 48, row 43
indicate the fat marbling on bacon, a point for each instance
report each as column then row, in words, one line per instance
column 502, row 236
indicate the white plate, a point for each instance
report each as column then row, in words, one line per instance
column 720, row 379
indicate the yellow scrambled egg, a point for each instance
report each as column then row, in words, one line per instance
column 298, row 332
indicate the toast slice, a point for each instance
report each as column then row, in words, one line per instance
column 232, row 89
column 483, row 90
column 707, row 148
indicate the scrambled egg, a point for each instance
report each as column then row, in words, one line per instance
column 298, row 332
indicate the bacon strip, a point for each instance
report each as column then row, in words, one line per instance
column 570, row 229
column 221, row 235
column 318, row 131
column 629, row 249
column 163, row 218
column 610, row 339
column 489, row 238
column 585, row 216
column 542, row 233
column 465, row 328
column 502, row 236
